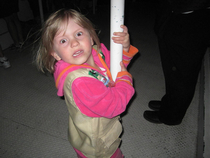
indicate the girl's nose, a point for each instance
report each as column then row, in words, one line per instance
column 74, row 43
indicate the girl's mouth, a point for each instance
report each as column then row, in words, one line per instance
column 77, row 53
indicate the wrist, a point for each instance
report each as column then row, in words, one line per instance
column 126, row 49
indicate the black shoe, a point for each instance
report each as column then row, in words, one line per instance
column 152, row 116
column 155, row 105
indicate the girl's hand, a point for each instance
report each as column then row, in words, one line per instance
column 122, row 38
column 123, row 68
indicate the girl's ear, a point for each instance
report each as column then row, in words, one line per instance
column 92, row 42
column 56, row 56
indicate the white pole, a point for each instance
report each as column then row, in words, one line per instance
column 117, row 19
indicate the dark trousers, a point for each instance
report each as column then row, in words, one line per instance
column 183, row 42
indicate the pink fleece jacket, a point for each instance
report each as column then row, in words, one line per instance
column 90, row 95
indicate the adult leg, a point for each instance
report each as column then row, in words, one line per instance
column 19, row 28
column 182, row 50
column 12, row 29
column 180, row 82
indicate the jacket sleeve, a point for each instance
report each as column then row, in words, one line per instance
column 127, row 56
column 96, row 100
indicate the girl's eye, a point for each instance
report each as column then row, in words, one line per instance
column 63, row 41
column 79, row 34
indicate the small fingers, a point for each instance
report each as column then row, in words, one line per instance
column 123, row 68
column 123, row 33
column 122, row 38
column 119, row 40
column 120, row 34
column 125, row 29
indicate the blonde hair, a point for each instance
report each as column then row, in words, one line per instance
column 44, row 59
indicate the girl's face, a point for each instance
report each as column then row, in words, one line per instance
column 73, row 45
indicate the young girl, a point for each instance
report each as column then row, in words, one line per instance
column 81, row 72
